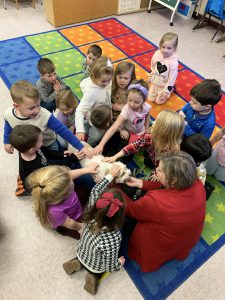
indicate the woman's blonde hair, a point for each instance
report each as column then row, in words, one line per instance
column 179, row 169
column 167, row 131
column 169, row 36
column 122, row 68
column 49, row 185
column 101, row 66
column 66, row 98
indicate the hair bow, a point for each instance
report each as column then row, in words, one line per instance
column 109, row 63
column 107, row 199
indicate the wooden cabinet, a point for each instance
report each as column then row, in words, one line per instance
column 64, row 12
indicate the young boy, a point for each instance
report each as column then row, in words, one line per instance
column 26, row 110
column 199, row 112
column 49, row 84
column 94, row 52
column 28, row 140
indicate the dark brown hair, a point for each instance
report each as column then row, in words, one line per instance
column 101, row 116
column 24, row 137
column 96, row 218
column 45, row 66
column 95, row 50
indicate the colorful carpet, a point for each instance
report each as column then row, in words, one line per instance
column 66, row 48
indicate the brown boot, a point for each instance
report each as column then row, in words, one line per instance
column 91, row 283
column 72, row 266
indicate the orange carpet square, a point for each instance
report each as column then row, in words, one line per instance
column 80, row 35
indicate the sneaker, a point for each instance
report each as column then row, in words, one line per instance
column 91, row 283
column 72, row 266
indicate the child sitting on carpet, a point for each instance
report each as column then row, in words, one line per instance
column 96, row 91
column 100, row 241
column 166, row 136
column 66, row 104
column 164, row 69
column 100, row 117
column 199, row 112
column 123, row 75
column 55, row 202
column 94, row 52
column 134, row 118
column 216, row 163
column 49, row 84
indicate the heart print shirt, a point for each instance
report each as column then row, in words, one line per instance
column 164, row 70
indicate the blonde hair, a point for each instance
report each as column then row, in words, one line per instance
column 66, row 98
column 50, row 185
column 101, row 66
column 122, row 68
column 167, row 131
column 21, row 89
column 169, row 36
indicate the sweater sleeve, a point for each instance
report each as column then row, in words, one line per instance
column 142, row 142
column 172, row 77
column 151, row 185
column 86, row 105
column 64, row 132
column 7, row 131
column 99, row 188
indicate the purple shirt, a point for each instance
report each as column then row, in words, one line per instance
column 71, row 208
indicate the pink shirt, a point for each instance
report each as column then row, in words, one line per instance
column 220, row 152
column 71, row 208
column 164, row 70
column 135, row 120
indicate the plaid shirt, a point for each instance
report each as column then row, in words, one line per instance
column 98, row 252
column 144, row 141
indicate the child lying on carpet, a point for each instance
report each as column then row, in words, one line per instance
column 55, row 202
column 100, row 241
column 134, row 118
column 199, row 112
column 49, row 84
column 166, row 136
column 164, row 69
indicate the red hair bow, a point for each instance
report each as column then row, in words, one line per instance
column 107, row 199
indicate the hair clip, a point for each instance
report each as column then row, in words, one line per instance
column 109, row 63
column 140, row 88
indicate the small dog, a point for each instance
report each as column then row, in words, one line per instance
column 104, row 167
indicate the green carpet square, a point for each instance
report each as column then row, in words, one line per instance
column 67, row 62
column 48, row 42
column 74, row 83
column 215, row 213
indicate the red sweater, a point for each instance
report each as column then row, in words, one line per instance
column 169, row 224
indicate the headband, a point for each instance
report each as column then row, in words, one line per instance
column 114, row 204
column 139, row 87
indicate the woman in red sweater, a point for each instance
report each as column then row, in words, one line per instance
column 170, row 216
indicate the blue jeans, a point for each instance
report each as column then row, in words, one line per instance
column 50, row 106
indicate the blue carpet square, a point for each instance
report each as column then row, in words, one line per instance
column 24, row 70
column 15, row 50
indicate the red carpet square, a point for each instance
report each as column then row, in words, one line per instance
column 132, row 44
column 110, row 28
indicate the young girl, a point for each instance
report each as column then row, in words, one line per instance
column 100, row 241
column 66, row 104
column 164, row 69
column 96, row 91
column 166, row 136
column 134, row 117
column 55, row 202
column 123, row 75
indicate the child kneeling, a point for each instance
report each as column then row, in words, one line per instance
column 100, row 241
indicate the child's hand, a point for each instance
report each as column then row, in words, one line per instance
column 92, row 168
column 134, row 182
column 117, row 107
column 182, row 114
column 57, row 86
column 80, row 136
column 153, row 177
column 9, row 148
column 67, row 153
column 124, row 134
column 110, row 159
column 163, row 96
column 122, row 260
column 115, row 170
column 150, row 75
column 87, row 152
column 80, row 155
column 98, row 150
